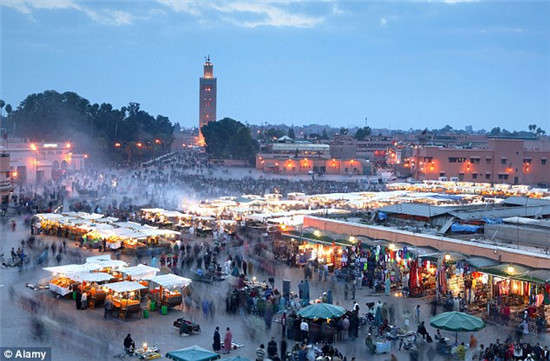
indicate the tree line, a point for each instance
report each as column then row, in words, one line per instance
column 125, row 132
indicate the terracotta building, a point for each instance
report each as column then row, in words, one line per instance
column 511, row 161
column 5, row 178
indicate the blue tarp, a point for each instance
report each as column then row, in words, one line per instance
column 464, row 228
column 382, row 216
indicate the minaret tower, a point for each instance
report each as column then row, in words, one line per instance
column 207, row 97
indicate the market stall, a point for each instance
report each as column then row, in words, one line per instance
column 104, row 263
column 90, row 282
column 63, row 277
column 124, row 296
column 138, row 273
column 167, row 289
column 322, row 319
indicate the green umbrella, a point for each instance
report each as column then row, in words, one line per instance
column 193, row 353
column 321, row 310
column 457, row 321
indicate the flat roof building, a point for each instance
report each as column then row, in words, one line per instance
column 503, row 161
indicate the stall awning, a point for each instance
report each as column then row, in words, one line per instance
column 72, row 268
column 140, row 271
column 49, row 216
column 509, row 270
column 171, row 281
column 105, row 261
column 91, row 276
column 124, row 286
column 540, row 274
column 481, row 262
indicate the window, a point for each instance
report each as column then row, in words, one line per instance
column 543, row 161
column 442, row 174
column 456, row 160
column 503, row 176
column 452, row 160
column 474, row 175
column 527, row 160
column 474, row 160
column 487, row 175
column 503, row 160
column 428, row 159
column 488, row 160
column 461, row 176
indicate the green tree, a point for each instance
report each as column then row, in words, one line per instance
column 231, row 139
column 272, row 133
column 362, row 133
column 495, row 131
column 291, row 133
column 343, row 131
column 94, row 128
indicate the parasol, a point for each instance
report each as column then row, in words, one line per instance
column 321, row 310
column 457, row 322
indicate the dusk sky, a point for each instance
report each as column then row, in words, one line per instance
column 402, row 64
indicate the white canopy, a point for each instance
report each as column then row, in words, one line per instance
column 103, row 257
column 91, row 276
column 140, row 272
column 49, row 216
column 105, row 261
column 111, row 264
column 72, row 268
column 124, row 286
column 171, row 281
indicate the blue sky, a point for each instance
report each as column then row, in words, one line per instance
column 402, row 64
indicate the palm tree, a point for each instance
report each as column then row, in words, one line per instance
column 8, row 112
column 2, row 103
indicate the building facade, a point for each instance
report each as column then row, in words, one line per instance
column 303, row 158
column 35, row 163
column 509, row 161
column 207, row 97
column 5, row 179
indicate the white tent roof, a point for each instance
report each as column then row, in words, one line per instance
column 49, row 216
column 124, row 286
column 171, row 281
column 73, row 268
column 111, row 264
column 90, row 216
column 103, row 257
column 105, row 261
column 140, row 271
column 91, row 276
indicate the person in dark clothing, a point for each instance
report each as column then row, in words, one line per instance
column 282, row 348
column 272, row 348
column 129, row 344
column 216, row 345
column 78, row 300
